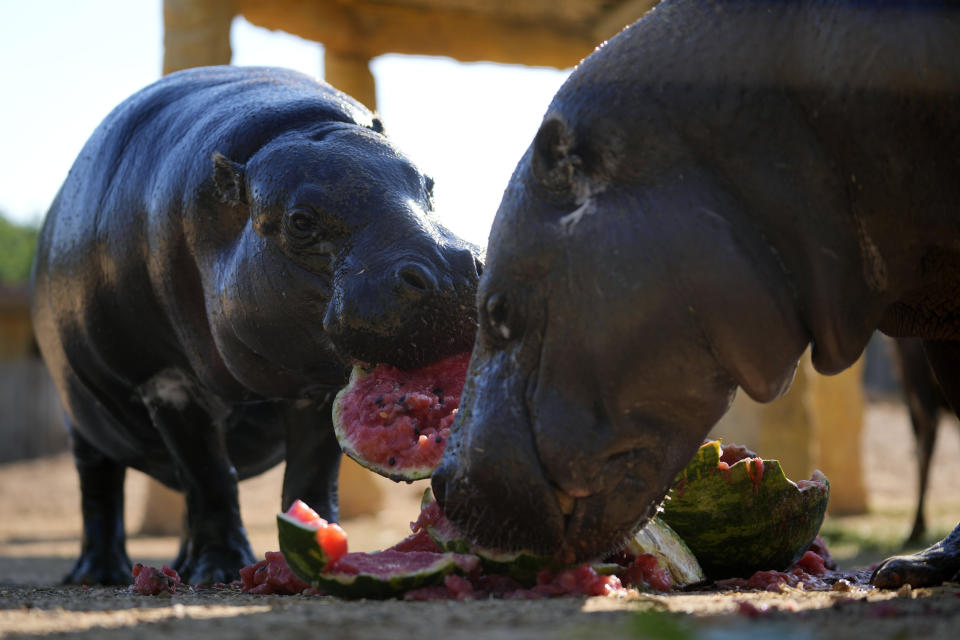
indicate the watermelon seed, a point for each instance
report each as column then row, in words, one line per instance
column 392, row 461
column 439, row 440
column 379, row 400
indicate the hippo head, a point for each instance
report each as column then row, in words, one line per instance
column 618, row 312
column 339, row 260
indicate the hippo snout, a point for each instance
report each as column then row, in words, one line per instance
column 406, row 310
column 520, row 508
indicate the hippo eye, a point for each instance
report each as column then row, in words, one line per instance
column 499, row 316
column 302, row 223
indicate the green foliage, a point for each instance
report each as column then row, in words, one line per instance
column 17, row 246
column 657, row 625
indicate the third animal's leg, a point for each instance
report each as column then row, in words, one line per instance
column 103, row 556
column 923, row 398
column 192, row 427
column 313, row 458
column 940, row 562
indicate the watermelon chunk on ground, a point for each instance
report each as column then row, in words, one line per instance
column 387, row 574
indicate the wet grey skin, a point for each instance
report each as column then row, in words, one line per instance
column 227, row 244
column 712, row 191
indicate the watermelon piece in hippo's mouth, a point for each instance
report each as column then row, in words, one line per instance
column 397, row 422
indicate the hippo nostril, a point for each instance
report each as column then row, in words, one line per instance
column 416, row 278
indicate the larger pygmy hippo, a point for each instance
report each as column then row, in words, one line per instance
column 710, row 192
column 227, row 242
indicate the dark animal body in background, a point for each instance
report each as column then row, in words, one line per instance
column 925, row 402
column 715, row 189
column 227, row 243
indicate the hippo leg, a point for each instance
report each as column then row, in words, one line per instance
column 313, row 458
column 940, row 562
column 924, row 401
column 103, row 556
column 215, row 547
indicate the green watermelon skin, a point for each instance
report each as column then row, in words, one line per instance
column 379, row 587
column 522, row 566
column 298, row 542
column 737, row 521
column 306, row 559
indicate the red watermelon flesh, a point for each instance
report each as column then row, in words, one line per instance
column 387, row 563
column 419, row 541
column 397, row 422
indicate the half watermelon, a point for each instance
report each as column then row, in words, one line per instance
column 740, row 514
column 397, row 422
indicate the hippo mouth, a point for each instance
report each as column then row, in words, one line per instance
column 396, row 422
column 504, row 497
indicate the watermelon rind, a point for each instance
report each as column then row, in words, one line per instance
column 373, row 586
column 736, row 522
column 522, row 566
column 408, row 473
column 306, row 559
column 298, row 543
column 672, row 553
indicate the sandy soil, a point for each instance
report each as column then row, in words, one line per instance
column 39, row 537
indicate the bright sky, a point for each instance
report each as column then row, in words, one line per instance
column 64, row 64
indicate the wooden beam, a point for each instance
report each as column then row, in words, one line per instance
column 351, row 74
column 369, row 29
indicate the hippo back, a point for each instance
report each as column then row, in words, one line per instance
column 136, row 229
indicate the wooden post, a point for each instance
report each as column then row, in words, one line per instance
column 836, row 412
column 351, row 74
column 816, row 425
column 780, row 430
column 163, row 511
column 196, row 33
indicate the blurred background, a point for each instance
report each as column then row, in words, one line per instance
column 461, row 86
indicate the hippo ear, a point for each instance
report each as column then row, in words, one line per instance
column 228, row 180
column 553, row 163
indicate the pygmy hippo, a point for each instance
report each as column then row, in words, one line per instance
column 227, row 243
column 713, row 190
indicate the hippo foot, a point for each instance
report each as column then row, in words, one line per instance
column 101, row 567
column 214, row 564
column 932, row 566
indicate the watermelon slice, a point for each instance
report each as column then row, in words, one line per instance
column 309, row 543
column 397, row 422
column 387, row 574
column 316, row 552
column 743, row 515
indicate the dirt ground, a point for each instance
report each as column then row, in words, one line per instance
column 39, row 537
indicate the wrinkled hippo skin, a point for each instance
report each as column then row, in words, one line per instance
column 227, row 243
column 713, row 190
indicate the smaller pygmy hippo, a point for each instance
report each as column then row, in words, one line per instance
column 228, row 241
